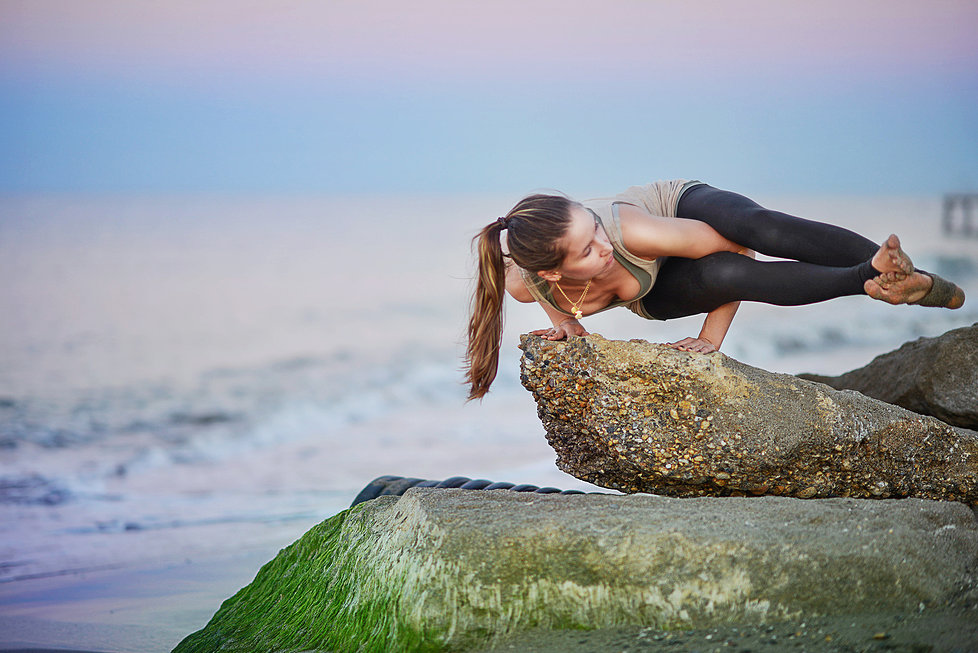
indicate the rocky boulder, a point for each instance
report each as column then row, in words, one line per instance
column 931, row 376
column 641, row 417
column 453, row 569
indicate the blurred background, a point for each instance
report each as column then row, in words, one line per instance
column 234, row 244
column 430, row 96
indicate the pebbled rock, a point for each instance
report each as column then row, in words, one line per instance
column 452, row 569
column 642, row 417
column 931, row 376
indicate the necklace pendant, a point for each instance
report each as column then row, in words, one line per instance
column 578, row 314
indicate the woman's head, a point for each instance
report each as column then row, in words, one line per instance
column 535, row 228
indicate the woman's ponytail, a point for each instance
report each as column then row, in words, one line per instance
column 534, row 229
column 486, row 320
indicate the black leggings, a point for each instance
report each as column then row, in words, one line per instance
column 828, row 261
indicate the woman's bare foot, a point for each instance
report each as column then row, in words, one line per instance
column 887, row 279
column 899, row 288
column 891, row 258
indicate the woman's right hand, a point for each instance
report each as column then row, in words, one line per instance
column 569, row 327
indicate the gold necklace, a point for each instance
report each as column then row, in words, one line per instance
column 574, row 305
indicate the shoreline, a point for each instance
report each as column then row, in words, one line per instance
column 135, row 609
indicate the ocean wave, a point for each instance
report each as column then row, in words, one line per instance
column 32, row 489
column 225, row 412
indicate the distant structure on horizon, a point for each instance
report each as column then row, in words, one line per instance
column 960, row 215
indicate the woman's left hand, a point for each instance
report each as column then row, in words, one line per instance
column 701, row 345
column 567, row 328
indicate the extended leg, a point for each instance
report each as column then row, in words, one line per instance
column 774, row 233
column 832, row 262
column 691, row 286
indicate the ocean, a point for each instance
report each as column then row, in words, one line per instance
column 185, row 377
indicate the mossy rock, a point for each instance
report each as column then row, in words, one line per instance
column 455, row 570
column 316, row 595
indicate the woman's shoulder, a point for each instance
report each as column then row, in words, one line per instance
column 635, row 218
column 516, row 284
column 643, row 233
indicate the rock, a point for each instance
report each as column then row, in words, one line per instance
column 931, row 376
column 640, row 417
column 452, row 569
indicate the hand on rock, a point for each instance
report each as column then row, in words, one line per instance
column 570, row 327
column 700, row 345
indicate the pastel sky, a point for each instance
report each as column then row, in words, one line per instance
column 351, row 96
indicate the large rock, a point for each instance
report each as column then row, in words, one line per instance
column 451, row 569
column 640, row 417
column 932, row 376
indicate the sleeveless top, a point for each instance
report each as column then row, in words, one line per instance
column 658, row 198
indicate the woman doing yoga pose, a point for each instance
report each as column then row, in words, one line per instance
column 672, row 249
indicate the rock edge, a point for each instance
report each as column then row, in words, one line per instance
column 641, row 417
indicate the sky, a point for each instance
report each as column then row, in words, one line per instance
column 430, row 96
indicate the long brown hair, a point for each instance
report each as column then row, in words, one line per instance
column 534, row 228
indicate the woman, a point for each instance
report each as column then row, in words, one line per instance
column 672, row 249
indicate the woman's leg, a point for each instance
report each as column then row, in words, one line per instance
column 828, row 262
column 691, row 286
column 778, row 234
column 774, row 233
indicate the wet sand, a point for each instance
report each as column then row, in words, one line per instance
column 135, row 610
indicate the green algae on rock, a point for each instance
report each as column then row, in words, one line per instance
column 453, row 570
column 318, row 594
column 641, row 417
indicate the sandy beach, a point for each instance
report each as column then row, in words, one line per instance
column 133, row 610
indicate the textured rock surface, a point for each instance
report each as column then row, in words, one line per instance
column 452, row 569
column 932, row 376
column 640, row 417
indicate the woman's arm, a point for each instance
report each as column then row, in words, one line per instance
column 714, row 330
column 651, row 236
column 715, row 326
column 564, row 325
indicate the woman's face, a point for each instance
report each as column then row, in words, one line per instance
column 589, row 253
